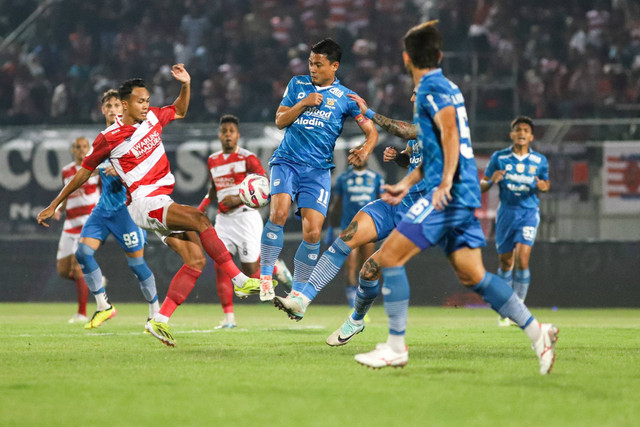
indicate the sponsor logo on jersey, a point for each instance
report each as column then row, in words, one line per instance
column 301, row 95
column 521, row 179
column 508, row 167
column 315, row 112
column 310, row 123
column 335, row 91
column 532, row 169
column 535, row 159
column 147, row 144
column 300, row 82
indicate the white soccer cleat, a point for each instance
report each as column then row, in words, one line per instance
column 344, row 333
column 266, row 289
column 283, row 276
column 545, row 347
column 78, row 318
column 382, row 357
column 293, row 305
column 505, row 322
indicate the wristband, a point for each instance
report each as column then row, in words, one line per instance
column 490, row 182
column 370, row 113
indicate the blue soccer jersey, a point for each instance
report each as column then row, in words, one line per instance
column 310, row 140
column 519, row 188
column 357, row 188
column 415, row 160
column 114, row 194
column 434, row 93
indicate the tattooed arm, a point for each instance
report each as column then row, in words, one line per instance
column 398, row 128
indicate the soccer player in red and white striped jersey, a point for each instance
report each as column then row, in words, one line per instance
column 239, row 227
column 134, row 146
column 77, row 207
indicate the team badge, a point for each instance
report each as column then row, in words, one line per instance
column 359, row 180
column 330, row 102
column 520, row 167
column 532, row 169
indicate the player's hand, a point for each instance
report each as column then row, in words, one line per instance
column 497, row 176
column 180, row 73
column 358, row 156
column 394, row 193
column 231, row 201
column 542, row 184
column 110, row 171
column 442, row 196
column 361, row 103
column 312, row 100
column 45, row 214
column 389, row 154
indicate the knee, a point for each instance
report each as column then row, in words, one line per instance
column 64, row 270
column 279, row 216
column 470, row 278
column 83, row 253
column 312, row 236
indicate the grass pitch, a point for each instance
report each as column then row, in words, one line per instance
column 463, row 370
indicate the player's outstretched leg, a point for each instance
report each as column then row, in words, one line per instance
column 507, row 276
column 93, row 277
column 147, row 282
column 502, row 299
column 396, row 304
column 270, row 248
column 355, row 323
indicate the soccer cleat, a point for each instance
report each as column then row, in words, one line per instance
column 99, row 317
column 545, row 347
column 223, row 325
column 266, row 289
column 344, row 333
column 78, row 318
column 145, row 326
column 284, row 275
column 161, row 331
column 382, row 357
column 250, row 287
column 293, row 305
column 505, row 321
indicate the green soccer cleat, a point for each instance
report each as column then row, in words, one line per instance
column 250, row 287
column 99, row 317
column 293, row 305
column 161, row 331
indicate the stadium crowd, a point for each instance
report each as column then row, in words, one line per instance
column 575, row 58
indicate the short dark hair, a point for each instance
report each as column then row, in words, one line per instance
column 423, row 44
column 127, row 87
column 329, row 48
column 111, row 93
column 229, row 118
column 522, row 119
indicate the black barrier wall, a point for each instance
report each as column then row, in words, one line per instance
column 564, row 274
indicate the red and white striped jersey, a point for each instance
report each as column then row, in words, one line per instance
column 137, row 154
column 228, row 170
column 80, row 202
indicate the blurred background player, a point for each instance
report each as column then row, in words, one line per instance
column 520, row 174
column 77, row 207
column 134, row 146
column 313, row 110
column 238, row 226
column 354, row 188
column 445, row 217
column 110, row 216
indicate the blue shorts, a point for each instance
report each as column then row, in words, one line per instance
column 308, row 187
column 385, row 216
column 451, row 228
column 515, row 225
column 119, row 223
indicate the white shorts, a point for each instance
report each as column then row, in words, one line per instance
column 150, row 213
column 241, row 232
column 68, row 244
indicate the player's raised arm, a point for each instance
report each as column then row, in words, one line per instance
column 287, row 115
column 76, row 182
column 397, row 128
column 182, row 102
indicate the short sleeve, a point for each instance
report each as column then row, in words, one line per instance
column 543, row 172
column 352, row 108
column 289, row 98
column 433, row 101
column 100, row 151
column 492, row 167
column 254, row 165
column 165, row 114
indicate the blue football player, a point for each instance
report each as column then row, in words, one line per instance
column 445, row 217
column 313, row 111
column 520, row 174
column 110, row 216
column 354, row 188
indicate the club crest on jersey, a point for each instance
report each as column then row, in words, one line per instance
column 520, row 167
column 147, row 144
column 532, row 169
column 337, row 92
column 331, row 102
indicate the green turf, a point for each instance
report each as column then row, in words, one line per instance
column 271, row 371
